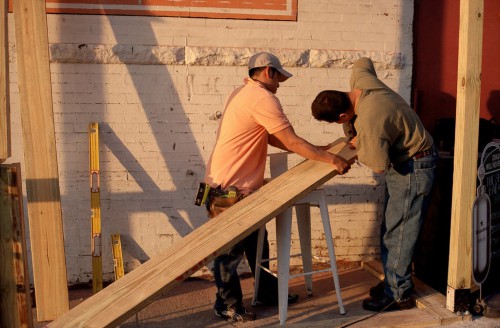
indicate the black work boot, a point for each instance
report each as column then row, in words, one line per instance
column 385, row 303
column 377, row 290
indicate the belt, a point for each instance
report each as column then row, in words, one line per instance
column 424, row 153
column 206, row 192
column 230, row 192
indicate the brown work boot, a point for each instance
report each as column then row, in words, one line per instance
column 236, row 313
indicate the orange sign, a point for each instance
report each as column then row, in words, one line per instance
column 239, row 9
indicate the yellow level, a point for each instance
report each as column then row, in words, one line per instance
column 117, row 256
column 95, row 206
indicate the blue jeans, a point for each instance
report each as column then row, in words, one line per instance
column 226, row 277
column 408, row 192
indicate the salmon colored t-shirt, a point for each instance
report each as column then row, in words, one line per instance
column 239, row 157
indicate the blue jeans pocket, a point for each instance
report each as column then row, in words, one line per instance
column 425, row 173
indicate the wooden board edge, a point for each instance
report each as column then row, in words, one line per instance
column 374, row 268
column 412, row 318
column 48, row 259
column 426, row 297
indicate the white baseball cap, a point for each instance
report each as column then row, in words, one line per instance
column 263, row 59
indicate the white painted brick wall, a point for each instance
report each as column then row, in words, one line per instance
column 155, row 85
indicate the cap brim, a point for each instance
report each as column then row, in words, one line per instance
column 284, row 75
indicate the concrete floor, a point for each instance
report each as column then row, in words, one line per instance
column 190, row 305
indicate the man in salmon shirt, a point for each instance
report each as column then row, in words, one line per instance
column 253, row 119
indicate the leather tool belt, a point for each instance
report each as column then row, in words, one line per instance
column 217, row 200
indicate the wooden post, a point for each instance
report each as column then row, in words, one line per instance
column 4, row 84
column 138, row 288
column 15, row 300
column 465, row 162
column 42, row 180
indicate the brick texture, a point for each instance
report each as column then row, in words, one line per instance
column 157, row 86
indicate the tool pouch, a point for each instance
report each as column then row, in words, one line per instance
column 218, row 204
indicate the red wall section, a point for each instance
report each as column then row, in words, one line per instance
column 436, row 60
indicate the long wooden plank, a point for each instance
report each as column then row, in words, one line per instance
column 425, row 296
column 466, row 142
column 15, row 301
column 138, row 288
column 374, row 268
column 42, row 180
column 4, row 85
column 434, row 301
column 400, row 319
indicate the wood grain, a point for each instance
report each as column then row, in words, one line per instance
column 41, row 171
column 135, row 290
column 15, row 300
column 466, row 143
column 425, row 298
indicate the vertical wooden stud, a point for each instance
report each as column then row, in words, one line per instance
column 42, row 179
column 466, row 143
column 15, row 300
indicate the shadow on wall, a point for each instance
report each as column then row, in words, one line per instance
column 159, row 164
column 143, row 138
column 132, row 250
column 169, row 128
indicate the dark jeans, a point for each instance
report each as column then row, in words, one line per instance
column 226, row 277
column 408, row 192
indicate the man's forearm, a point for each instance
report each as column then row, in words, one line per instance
column 309, row 151
column 275, row 142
